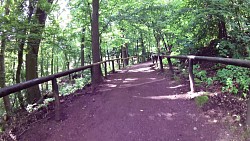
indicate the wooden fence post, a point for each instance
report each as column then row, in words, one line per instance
column 57, row 99
column 132, row 60
column 105, row 69
column 123, row 62
column 161, row 64
column 170, row 65
column 191, row 75
column 113, row 66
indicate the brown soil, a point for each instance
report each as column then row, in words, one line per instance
column 137, row 103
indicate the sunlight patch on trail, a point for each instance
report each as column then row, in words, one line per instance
column 188, row 95
column 147, row 69
column 134, row 85
column 131, row 79
column 122, row 71
column 178, row 86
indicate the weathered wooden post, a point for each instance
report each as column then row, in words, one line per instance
column 123, row 62
column 113, row 66
column 132, row 60
column 170, row 65
column 161, row 64
column 191, row 75
column 57, row 99
column 105, row 69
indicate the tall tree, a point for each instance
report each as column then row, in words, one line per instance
column 6, row 99
column 96, row 71
column 34, row 39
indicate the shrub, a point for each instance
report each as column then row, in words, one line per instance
column 201, row 76
column 235, row 79
column 201, row 100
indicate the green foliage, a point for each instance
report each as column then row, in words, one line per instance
column 225, row 48
column 71, row 87
column 235, row 79
column 188, row 25
column 201, row 76
column 165, row 61
column 201, row 100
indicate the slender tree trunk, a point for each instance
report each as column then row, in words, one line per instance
column 6, row 99
column 57, row 65
column 96, row 71
column 127, row 55
column 100, row 49
column 20, row 57
column 47, row 73
column 124, row 54
column 143, row 49
column 157, row 39
column 222, row 30
column 108, row 56
column 19, row 67
column 164, row 43
column 33, row 93
column 52, row 62
column 137, row 48
column 82, row 47
column 42, row 68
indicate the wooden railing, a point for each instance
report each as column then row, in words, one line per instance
column 24, row 85
column 191, row 58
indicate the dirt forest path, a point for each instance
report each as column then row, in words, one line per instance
column 135, row 104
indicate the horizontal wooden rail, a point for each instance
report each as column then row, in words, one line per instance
column 27, row 84
column 227, row 61
column 24, row 85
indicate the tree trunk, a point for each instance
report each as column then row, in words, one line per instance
column 47, row 73
column 19, row 67
column 82, row 46
column 6, row 99
column 143, row 49
column 137, row 48
column 57, row 65
column 125, row 54
column 96, row 71
column 52, row 62
column 222, row 30
column 100, row 49
column 42, row 68
column 164, row 43
column 33, row 93
column 108, row 56
column 158, row 39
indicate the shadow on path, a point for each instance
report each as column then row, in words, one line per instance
column 135, row 104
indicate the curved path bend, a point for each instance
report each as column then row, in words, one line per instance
column 135, row 104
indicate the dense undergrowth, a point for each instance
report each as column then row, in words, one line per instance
column 229, row 84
